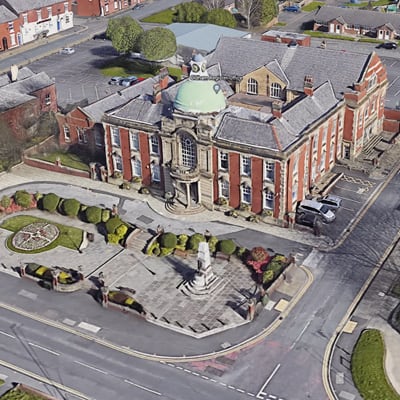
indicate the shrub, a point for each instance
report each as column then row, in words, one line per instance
column 194, row 240
column 241, row 252
column 84, row 207
column 150, row 250
column 156, row 251
column 38, row 196
column 93, row 215
column 50, row 202
column 5, row 201
column 121, row 231
column 23, row 198
column 112, row 224
column 105, row 215
column 182, row 240
column 166, row 251
column 259, row 254
column 168, row 240
column 71, row 207
column 227, row 246
column 212, row 244
column 268, row 276
column 113, row 238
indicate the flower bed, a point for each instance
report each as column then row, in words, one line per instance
column 35, row 236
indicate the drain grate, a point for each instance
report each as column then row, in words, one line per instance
column 145, row 220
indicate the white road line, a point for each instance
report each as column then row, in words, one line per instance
column 7, row 334
column 300, row 335
column 195, row 374
column 239, row 390
column 271, row 396
column 213, row 380
column 231, row 387
column 171, row 365
column 177, row 367
column 222, row 383
column 142, row 387
column 44, row 349
column 90, row 367
column 205, row 377
column 250, row 394
column 261, row 391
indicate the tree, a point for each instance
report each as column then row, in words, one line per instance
column 213, row 4
column 251, row 11
column 189, row 12
column 157, row 44
column 124, row 33
column 269, row 10
column 220, row 17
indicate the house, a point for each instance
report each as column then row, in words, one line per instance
column 99, row 8
column 353, row 21
column 256, row 125
column 24, row 97
column 30, row 20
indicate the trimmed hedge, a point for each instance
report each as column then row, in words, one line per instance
column 23, row 198
column 5, row 201
column 71, row 207
column 194, row 240
column 93, row 215
column 168, row 240
column 212, row 244
column 50, row 202
column 113, row 223
column 105, row 215
column 227, row 246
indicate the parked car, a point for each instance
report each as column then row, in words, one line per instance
column 387, row 45
column 316, row 208
column 67, row 50
column 130, row 80
column 292, row 9
column 115, row 80
column 331, row 201
column 138, row 6
column 101, row 36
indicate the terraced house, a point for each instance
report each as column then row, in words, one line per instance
column 23, row 21
column 255, row 128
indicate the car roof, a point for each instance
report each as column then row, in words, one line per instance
column 311, row 203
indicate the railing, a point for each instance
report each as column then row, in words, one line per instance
column 184, row 173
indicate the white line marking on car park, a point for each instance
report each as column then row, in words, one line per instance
column 44, row 349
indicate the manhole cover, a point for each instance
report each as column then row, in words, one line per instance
column 145, row 220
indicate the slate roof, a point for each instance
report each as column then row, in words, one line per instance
column 279, row 133
column 343, row 69
column 201, row 36
column 6, row 15
column 355, row 16
column 16, row 93
column 25, row 5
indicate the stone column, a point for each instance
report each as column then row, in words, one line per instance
column 251, row 309
column 187, row 194
column 104, row 296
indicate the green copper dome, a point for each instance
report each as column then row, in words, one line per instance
column 197, row 96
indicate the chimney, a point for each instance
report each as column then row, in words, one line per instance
column 277, row 109
column 308, row 85
column 185, row 70
column 14, row 72
column 156, row 93
column 163, row 78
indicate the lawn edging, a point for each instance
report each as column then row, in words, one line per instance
column 368, row 367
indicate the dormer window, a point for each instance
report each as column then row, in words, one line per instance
column 275, row 90
column 252, row 86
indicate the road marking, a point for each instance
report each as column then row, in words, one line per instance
column 7, row 334
column 261, row 392
column 300, row 335
column 90, row 367
column 43, row 348
column 239, row 390
column 142, row 387
column 205, row 377
column 42, row 379
column 89, row 327
column 195, row 373
column 231, row 387
column 69, row 322
column 28, row 295
column 222, row 383
column 251, row 394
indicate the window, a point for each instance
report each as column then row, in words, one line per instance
column 82, row 137
column 98, row 138
column 246, row 194
column 49, row 12
column 115, row 139
column 67, row 19
column 189, row 158
column 269, row 200
column 296, row 165
column 134, row 140
column 11, row 27
column 65, row 7
column 106, row 8
column 269, row 170
column 315, row 144
column 224, row 189
column 47, row 99
column 360, row 119
column 67, row 134
column 252, row 86
column 324, row 135
column 246, row 166
column 275, row 90
column 155, row 173
column 366, row 113
column 332, row 152
column 372, row 82
column 154, row 144
column 294, row 191
column 25, row 17
column 115, row 5
column 323, row 160
column 39, row 14
column 137, row 168
column 223, row 160
column 117, row 159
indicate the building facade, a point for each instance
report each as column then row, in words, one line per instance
column 91, row 8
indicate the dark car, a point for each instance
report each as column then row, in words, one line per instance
column 100, row 36
column 138, row 6
column 292, row 9
column 387, row 45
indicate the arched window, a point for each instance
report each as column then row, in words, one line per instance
column 189, row 158
column 275, row 90
column 252, row 86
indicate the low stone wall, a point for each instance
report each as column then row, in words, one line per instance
column 55, row 168
column 275, row 285
column 30, row 390
column 60, row 287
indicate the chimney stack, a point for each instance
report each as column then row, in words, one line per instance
column 163, row 78
column 156, row 93
column 277, row 109
column 308, row 85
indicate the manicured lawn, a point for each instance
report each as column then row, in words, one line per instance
column 67, row 160
column 367, row 367
column 162, row 17
column 328, row 35
column 365, row 4
column 312, row 6
column 69, row 237
column 1, row 382
column 16, row 394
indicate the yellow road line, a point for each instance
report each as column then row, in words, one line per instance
column 43, row 379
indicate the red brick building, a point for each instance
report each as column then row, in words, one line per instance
column 91, row 8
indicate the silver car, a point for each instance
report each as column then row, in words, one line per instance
column 331, row 201
column 315, row 208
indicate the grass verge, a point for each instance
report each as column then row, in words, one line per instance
column 162, row 17
column 69, row 236
column 327, row 35
column 312, row 6
column 367, row 367
column 17, row 394
column 67, row 160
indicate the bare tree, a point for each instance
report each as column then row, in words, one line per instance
column 250, row 9
column 213, row 4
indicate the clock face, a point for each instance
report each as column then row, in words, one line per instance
column 195, row 68
column 203, row 67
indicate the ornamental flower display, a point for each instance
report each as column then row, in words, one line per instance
column 35, row 236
